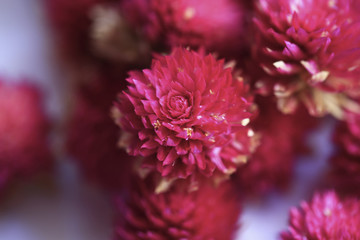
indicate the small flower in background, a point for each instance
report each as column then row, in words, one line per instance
column 24, row 132
column 180, row 114
column 325, row 217
column 309, row 54
column 209, row 213
column 219, row 26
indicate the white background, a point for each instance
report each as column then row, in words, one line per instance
column 66, row 208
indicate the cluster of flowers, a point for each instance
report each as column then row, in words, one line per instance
column 223, row 108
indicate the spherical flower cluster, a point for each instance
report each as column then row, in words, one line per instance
column 309, row 53
column 24, row 129
column 218, row 25
column 181, row 112
column 325, row 217
column 92, row 135
column 279, row 138
column 206, row 214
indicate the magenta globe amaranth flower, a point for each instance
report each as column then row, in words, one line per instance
column 216, row 25
column 326, row 217
column 181, row 112
column 309, row 51
column 209, row 213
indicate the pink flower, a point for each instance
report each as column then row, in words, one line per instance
column 206, row 214
column 181, row 112
column 92, row 135
column 309, row 51
column 218, row 25
column 325, row 217
column 24, row 132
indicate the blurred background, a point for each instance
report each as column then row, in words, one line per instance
column 63, row 206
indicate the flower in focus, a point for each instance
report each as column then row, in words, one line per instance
column 325, row 217
column 280, row 138
column 217, row 25
column 24, row 132
column 181, row 112
column 208, row 213
column 309, row 51
column 92, row 135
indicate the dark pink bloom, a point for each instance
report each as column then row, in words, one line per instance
column 218, row 25
column 92, row 135
column 24, row 132
column 279, row 138
column 181, row 112
column 325, row 217
column 206, row 214
column 309, row 51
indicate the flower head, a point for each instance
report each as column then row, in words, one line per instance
column 181, row 112
column 217, row 25
column 325, row 217
column 208, row 213
column 309, row 51
column 24, row 129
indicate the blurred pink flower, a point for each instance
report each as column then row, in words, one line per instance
column 206, row 214
column 24, row 132
column 217, row 25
